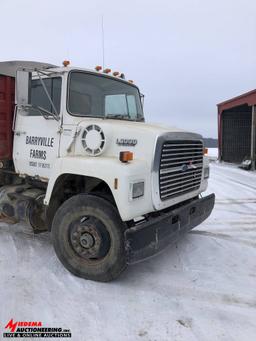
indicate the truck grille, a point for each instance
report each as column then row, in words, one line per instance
column 181, row 167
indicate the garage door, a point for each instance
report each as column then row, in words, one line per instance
column 236, row 134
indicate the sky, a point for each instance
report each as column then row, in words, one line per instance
column 185, row 55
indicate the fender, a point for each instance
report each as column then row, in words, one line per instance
column 108, row 169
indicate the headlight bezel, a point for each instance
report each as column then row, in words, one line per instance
column 206, row 173
column 137, row 189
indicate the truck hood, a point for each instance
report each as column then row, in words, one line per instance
column 119, row 135
column 154, row 128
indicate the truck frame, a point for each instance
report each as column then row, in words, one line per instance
column 77, row 159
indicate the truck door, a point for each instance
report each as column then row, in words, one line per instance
column 36, row 134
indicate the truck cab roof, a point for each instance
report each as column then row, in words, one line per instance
column 91, row 71
column 9, row 68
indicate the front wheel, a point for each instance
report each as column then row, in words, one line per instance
column 88, row 238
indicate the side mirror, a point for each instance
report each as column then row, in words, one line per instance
column 22, row 91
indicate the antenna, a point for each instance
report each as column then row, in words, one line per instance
column 67, row 46
column 103, row 41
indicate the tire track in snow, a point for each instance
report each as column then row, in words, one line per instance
column 225, row 237
column 236, row 223
column 209, row 297
column 236, row 181
column 235, row 201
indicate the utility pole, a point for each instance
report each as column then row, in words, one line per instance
column 253, row 138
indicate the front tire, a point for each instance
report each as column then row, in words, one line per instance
column 88, row 238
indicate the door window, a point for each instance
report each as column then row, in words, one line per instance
column 39, row 98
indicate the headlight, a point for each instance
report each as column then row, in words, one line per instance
column 137, row 189
column 206, row 173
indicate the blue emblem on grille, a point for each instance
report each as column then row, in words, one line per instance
column 184, row 168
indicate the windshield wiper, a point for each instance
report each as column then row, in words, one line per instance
column 118, row 116
column 125, row 117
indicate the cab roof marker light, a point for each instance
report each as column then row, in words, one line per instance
column 107, row 70
column 98, row 68
column 66, row 63
column 130, row 81
column 116, row 73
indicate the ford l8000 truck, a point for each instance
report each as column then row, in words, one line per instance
column 77, row 159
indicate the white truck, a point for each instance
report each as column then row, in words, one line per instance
column 78, row 159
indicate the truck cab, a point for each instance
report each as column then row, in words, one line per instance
column 85, row 165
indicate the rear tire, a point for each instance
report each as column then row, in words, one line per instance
column 88, row 238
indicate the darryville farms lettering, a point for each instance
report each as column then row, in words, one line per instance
column 41, row 142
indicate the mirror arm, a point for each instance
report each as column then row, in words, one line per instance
column 47, row 115
column 56, row 115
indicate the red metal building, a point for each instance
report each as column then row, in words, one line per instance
column 237, row 128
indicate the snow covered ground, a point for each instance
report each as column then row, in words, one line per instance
column 203, row 288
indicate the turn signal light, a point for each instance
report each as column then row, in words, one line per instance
column 66, row 63
column 205, row 151
column 125, row 156
column 116, row 183
column 98, row 68
column 107, row 70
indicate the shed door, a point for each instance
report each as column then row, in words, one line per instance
column 236, row 134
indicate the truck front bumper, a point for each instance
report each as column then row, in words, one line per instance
column 150, row 237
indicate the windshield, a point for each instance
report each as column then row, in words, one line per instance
column 99, row 96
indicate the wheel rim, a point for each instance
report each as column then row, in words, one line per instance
column 89, row 238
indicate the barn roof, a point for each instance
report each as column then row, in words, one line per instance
column 248, row 98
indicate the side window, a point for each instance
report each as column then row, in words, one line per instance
column 56, row 93
column 39, row 98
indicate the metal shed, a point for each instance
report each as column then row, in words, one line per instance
column 237, row 128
